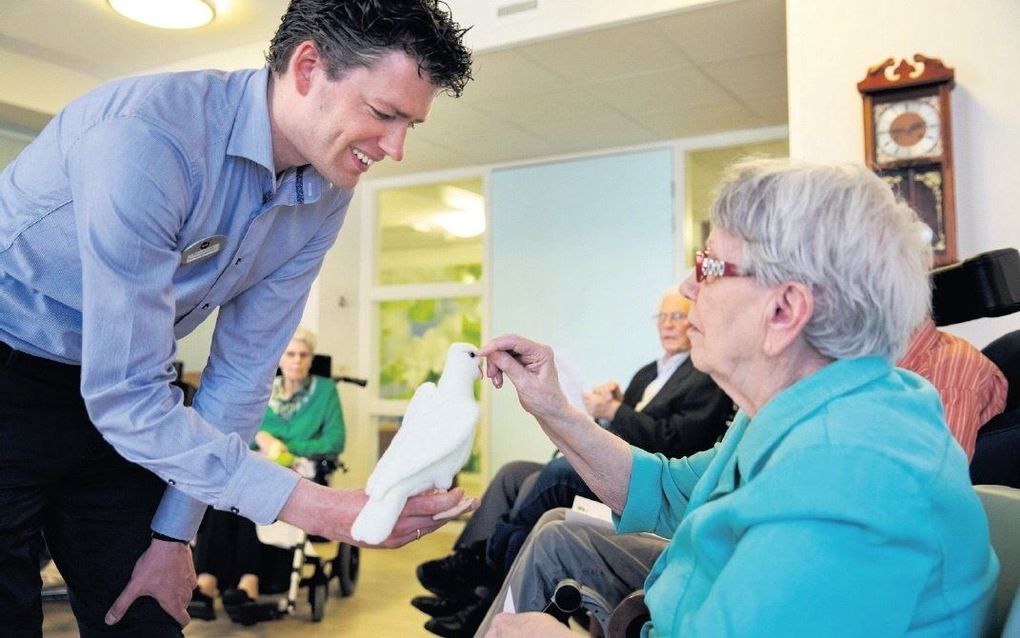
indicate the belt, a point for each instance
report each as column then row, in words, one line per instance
column 38, row 367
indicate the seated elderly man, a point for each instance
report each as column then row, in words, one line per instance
column 837, row 503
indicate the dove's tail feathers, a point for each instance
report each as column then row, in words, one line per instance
column 376, row 520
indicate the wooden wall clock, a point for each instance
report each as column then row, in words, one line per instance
column 908, row 141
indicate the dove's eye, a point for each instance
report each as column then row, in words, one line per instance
column 472, row 354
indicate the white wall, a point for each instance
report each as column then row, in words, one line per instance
column 830, row 46
column 40, row 86
column 580, row 251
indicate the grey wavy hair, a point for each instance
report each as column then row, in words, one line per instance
column 840, row 231
column 305, row 336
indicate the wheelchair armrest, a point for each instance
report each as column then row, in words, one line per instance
column 628, row 617
column 623, row 621
column 571, row 596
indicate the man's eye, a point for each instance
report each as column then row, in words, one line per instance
column 385, row 117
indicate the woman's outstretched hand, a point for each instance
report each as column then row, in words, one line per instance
column 531, row 368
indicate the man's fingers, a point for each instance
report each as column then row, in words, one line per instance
column 121, row 605
column 429, row 504
column 455, row 511
column 179, row 614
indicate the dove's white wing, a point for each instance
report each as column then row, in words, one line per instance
column 434, row 428
column 421, row 398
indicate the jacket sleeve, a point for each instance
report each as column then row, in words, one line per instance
column 691, row 421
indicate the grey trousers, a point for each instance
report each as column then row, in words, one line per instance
column 514, row 480
column 611, row 563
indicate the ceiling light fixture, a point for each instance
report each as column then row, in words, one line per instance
column 462, row 223
column 167, row 14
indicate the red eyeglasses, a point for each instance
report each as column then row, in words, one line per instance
column 705, row 267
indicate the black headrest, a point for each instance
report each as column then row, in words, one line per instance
column 322, row 365
column 986, row 285
column 1005, row 353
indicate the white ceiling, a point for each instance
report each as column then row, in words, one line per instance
column 715, row 68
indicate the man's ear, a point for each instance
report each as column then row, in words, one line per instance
column 790, row 308
column 303, row 63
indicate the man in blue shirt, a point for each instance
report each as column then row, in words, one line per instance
column 141, row 208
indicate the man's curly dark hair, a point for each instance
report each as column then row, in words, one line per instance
column 351, row 33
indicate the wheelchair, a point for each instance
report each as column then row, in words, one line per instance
column 315, row 561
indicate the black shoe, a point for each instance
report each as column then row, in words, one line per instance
column 245, row 610
column 437, row 607
column 463, row 624
column 254, row 612
column 461, row 571
column 201, row 606
column 235, row 598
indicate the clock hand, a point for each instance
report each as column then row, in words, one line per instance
column 907, row 129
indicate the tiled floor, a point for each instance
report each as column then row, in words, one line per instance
column 379, row 607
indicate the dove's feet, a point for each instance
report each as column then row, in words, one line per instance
column 458, row 573
column 462, row 624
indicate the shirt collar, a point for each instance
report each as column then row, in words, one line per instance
column 252, row 139
column 669, row 363
column 922, row 343
column 788, row 408
column 252, row 136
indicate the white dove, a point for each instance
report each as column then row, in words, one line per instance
column 431, row 446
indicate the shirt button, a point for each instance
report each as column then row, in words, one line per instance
column 205, row 306
column 172, row 482
column 234, row 510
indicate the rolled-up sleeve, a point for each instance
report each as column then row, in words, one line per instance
column 660, row 490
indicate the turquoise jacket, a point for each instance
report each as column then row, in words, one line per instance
column 844, row 508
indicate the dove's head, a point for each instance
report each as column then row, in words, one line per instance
column 463, row 362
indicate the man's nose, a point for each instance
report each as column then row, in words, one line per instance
column 392, row 142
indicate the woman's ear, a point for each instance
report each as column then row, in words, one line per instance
column 790, row 308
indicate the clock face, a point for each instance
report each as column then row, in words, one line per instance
column 908, row 129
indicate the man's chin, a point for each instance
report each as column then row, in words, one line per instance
column 346, row 182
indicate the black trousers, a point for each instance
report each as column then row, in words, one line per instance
column 228, row 547
column 59, row 478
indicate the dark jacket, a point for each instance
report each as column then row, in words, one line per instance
column 688, row 414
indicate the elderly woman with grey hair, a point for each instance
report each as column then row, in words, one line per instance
column 838, row 503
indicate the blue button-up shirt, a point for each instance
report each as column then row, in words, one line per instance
column 101, row 219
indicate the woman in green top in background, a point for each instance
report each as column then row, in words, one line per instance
column 303, row 419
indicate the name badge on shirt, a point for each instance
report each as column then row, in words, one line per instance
column 202, row 249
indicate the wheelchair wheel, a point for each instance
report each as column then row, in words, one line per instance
column 318, row 593
column 345, row 568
